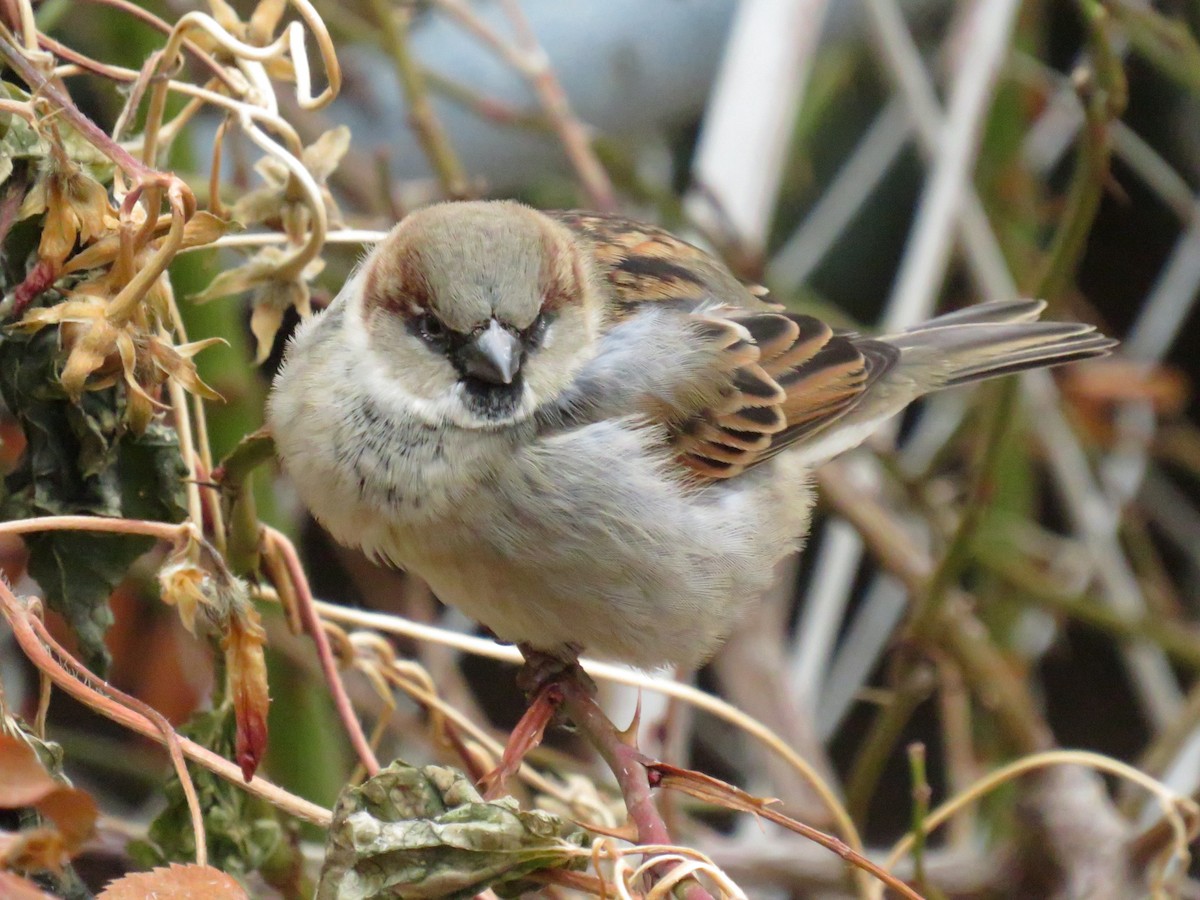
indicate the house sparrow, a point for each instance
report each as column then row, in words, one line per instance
column 587, row 434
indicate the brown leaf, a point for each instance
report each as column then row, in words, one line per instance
column 14, row 887
column 23, row 779
column 175, row 882
column 246, row 668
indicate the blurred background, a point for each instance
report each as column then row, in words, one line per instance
column 1009, row 570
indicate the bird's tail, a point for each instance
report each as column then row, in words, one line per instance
column 995, row 339
column 957, row 348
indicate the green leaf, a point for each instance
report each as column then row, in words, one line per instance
column 425, row 832
column 81, row 460
column 244, row 833
column 78, row 571
column 19, row 140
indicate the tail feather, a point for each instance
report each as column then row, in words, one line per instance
column 958, row 348
column 956, row 354
column 1073, row 349
column 992, row 312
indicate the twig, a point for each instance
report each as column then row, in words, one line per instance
column 529, row 59
column 277, row 543
column 628, row 765
column 39, row 84
column 955, row 628
column 31, row 644
column 621, row 675
column 164, row 531
column 1183, row 813
column 393, row 24
column 713, row 790
column 875, row 749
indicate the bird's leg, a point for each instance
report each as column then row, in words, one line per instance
column 542, row 678
column 542, row 668
column 555, row 681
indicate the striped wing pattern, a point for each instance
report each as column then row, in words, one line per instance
column 790, row 375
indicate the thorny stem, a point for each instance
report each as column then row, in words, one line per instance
column 393, row 23
column 628, row 765
column 41, row 86
column 277, row 543
column 709, row 703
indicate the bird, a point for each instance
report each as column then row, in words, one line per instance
column 586, row 433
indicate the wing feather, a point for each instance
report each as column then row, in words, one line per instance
column 789, row 375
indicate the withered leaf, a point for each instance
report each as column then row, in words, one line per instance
column 426, row 832
column 81, row 459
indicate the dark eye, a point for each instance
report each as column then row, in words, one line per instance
column 535, row 332
column 431, row 330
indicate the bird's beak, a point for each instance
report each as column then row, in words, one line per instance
column 493, row 355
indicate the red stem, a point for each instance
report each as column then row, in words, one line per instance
column 312, row 624
column 628, row 765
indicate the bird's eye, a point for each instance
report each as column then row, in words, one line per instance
column 537, row 331
column 431, row 330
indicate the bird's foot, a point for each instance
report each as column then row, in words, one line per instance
column 542, row 678
column 542, row 669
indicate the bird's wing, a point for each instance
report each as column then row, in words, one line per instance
column 644, row 264
column 806, row 376
column 781, row 377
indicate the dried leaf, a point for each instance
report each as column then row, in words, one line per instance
column 279, row 203
column 204, row 228
column 14, row 887
column 24, row 782
column 195, row 580
column 274, row 292
column 246, row 672
column 175, row 882
column 188, row 587
column 425, row 832
column 323, row 155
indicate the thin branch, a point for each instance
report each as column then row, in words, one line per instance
column 32, row 646
column 276, row 543
column 393, row 23
column 529, row 59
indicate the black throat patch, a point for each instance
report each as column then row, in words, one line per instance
column 492, row 401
